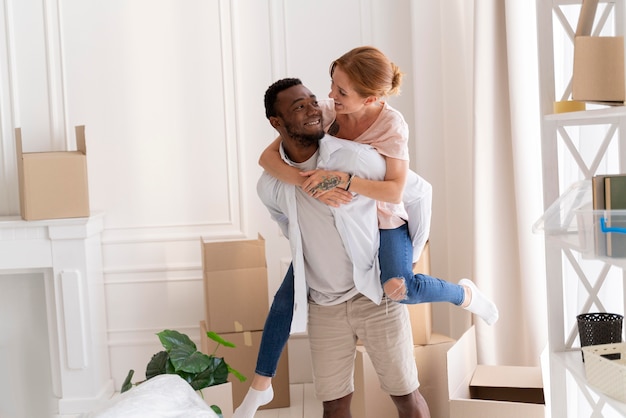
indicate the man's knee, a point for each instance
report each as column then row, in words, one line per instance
column 338, row 408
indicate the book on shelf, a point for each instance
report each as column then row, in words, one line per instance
column 597, row 195
column 615, row 199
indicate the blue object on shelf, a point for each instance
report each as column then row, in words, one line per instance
column 607, row 229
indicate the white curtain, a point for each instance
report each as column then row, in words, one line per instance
column 509, row 262
column 478, row 142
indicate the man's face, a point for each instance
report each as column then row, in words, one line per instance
column 300, row 115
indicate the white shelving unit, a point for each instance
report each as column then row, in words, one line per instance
column 575, row 147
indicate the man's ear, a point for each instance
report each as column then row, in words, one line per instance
column 274, row 121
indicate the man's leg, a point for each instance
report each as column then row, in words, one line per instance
column 412, row 405
column 339, row 408
column 333, row 349
column 386, row 334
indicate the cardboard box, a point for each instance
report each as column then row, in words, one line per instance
column 598, row 74
column 421, row 314
column 598, row 69
column 53, row 185
column 243, row 358
column 369, row 400
column 235, row 285
column 220, row 395
column 480, row 391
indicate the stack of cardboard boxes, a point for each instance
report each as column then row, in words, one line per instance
column 236, row 305
column 452, row 382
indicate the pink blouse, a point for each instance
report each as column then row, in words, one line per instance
column 389, row 135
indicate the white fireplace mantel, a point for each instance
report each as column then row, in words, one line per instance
column 68, row 254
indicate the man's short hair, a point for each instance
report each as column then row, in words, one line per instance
column 272, row 92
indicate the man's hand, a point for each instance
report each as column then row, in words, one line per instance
column 321, row 181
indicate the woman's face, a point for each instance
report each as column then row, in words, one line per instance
column 346, row 99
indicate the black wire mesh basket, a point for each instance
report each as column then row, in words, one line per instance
column 597, row 328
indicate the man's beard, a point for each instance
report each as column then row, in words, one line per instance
column 304, row 139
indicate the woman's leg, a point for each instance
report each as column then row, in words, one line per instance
column 395, row 256
column 276, row 328
column 273, row 341
column 402, row 285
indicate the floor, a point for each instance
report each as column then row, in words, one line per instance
column 303, row 404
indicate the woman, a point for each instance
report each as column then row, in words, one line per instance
column 360, row 79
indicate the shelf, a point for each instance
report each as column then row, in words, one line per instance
column 585, row 235
column 593, row 116
column 572, row 362
column 578, row 145
column 570, row 223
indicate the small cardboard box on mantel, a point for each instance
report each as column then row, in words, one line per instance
column 53, row 185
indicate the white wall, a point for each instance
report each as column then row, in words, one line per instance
column 171, row 94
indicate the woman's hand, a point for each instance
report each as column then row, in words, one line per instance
column 320, row 182
column 335, row 197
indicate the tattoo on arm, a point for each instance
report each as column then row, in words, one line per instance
column 328, row 183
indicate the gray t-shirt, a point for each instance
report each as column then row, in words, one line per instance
column 329, row 270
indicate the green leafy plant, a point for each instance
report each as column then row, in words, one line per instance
column 182, row 357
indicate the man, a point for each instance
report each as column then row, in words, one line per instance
column 334, row 254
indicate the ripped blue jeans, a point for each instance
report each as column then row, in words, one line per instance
column 396, row 260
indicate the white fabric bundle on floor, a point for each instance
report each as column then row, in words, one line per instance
column 164, row 396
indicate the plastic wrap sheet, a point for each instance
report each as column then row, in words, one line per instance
column 164, row 396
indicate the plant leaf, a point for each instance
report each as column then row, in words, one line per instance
column 218, row 339
column 237, row 374
column 194, row 362
column 127, row 385
column 173, row 339
column 215, row 374
column 187, row 377
column 217, row 410
column 157, row 364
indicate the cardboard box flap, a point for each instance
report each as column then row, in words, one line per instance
column 20, row 164
column 507, row 383
column 233, row 255
column 462, row 361
column 507, row 376
column 81, row 144
column 31, row 156
column 586, row 17
column 18, row 143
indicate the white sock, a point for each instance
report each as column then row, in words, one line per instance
column 253, row 400
column 480, row 304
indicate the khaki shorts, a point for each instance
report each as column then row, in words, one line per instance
column 386, row 334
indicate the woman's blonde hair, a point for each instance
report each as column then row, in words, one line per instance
column 371, row 72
